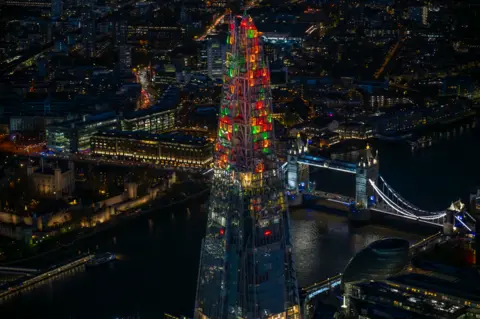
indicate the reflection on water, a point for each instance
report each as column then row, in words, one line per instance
column 157, row 264
column 323, row 244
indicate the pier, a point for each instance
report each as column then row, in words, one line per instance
column 16, row 286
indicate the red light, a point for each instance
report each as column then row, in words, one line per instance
column 222, row 231
column 267, row 233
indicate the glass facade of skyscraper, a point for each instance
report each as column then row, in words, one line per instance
column 246, row 267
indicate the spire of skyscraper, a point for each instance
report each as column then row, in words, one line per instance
column 246, row 265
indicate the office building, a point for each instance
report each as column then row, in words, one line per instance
column 74, row 135
column 157, row 119
column 212, row 57
column 57, row 9
column 170, row 149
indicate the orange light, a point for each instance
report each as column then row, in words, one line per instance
column 259, row 168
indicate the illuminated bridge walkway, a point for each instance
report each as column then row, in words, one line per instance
column 389, row 201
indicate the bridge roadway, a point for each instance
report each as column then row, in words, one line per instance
column 337, row 198
column 324, row 286
column 336, row 165
column 16, row 286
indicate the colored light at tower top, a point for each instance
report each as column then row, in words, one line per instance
column 247, row 214
column 246, row 73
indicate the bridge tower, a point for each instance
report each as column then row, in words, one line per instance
column 296, row 172
column 367, row 169
column 449, row 222
column 475, row 212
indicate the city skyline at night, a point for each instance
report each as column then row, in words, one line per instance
column 217, row 159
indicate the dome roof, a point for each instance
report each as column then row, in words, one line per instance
column 381, row 259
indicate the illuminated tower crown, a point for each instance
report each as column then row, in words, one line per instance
column 246, row 265
column 245, row 134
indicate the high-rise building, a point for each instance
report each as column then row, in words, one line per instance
column 211, row 58
column 124, row 50
column 125, row 56
column 57, row 9
column 89, row 34
column 215, row 57
column 246, row 264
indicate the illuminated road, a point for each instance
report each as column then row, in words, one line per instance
column 391, row 53
column 403, row 87
column 212, row 27
column 11, row 147
column 147, row 99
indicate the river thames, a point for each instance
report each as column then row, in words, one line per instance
column 158, row 254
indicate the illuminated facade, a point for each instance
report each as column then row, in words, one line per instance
column 157, row 119
column 172, row 149
column 246, row 264
column 52, row 182
column 74, row 135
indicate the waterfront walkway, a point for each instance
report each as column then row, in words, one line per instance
column 14, row 287
column 106, row 226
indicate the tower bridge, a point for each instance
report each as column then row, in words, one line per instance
column 372, row 192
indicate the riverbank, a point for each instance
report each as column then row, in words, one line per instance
column 121, row 219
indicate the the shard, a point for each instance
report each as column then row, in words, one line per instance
column 246, row 266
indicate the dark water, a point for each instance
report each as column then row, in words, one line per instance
column 159, row 255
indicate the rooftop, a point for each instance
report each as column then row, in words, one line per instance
column 158, row 108
column 466, row 289
column 87, row 119
column 175, row 137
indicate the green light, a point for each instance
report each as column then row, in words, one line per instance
column 231, row 73
column 265, row 135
